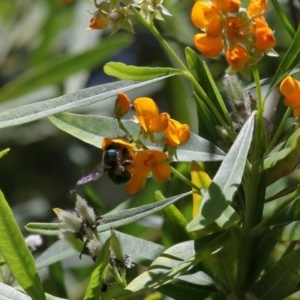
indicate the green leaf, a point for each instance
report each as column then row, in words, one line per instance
column 4, row 152
column 289, row 232
column 92, row 129
column 281, row 280
column 8, row 293
column 34, row 111
column 281, row 162
column 58, row 251
column 175, row 222
column 17, row 254
column 48, row 229
column 125, row 72
column 282, row 16
column 289, row 61
column 141, row 251
column 215, row 206
column 58, row 69
column 176, row 261
column 99, row 273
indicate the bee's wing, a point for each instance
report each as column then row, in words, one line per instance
column 94, row 175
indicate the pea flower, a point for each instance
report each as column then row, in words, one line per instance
column 290, row 88
column 177, row 133
column 237, row 57
column 148, row 115
column 148, row 162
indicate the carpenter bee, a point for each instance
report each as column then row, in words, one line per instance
column 115, row 159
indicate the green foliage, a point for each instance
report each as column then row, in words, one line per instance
column 241, row 242
column 16, row 253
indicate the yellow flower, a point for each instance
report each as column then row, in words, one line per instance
column 177, row 133
column 145, row 163
column 122, row 105
column 290, row 88
column 148, row 115
column 208, row 46
column 237, row 57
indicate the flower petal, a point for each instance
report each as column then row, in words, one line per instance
column 146, row 109
column 209, row 47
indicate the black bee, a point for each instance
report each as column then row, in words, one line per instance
column 115, row 159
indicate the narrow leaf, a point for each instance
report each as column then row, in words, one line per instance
column 140, row 251
column 215, row 208
column 280, row 281
column 290, row 59
column 92, row 129
column 58, row 69
column 34, row 111
column 176, row 261
column 8, row 293
column 125, row 72
column 175, row 222
column 17, row 254
column 4, row 152
column 118, row 219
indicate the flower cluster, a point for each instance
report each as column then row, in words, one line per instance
column 290, row 88
column 119, row 14
column 242, row 33
column 134, row 158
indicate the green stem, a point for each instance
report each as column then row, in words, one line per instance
column 254, row 193
column 184, row 179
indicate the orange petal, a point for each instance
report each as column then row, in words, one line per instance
column 237, row 58
column 98, row 21
column 257, row 8
column 264, row 39
column 201, row 14
column 235, row 28
column 292, row 100
column 208, row 46
column 289, row 85
column 122, row 105
column 146, row 109
column 229, row 6
column 177, row 133
column 159, row 123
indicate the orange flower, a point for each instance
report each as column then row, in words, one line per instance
column 145, row 163
column 209, row 47
column 264, row 39
column 177, row 133
column 207, row 16
column 148, row 115
column 98, row 21
column 122, row 105
column 290, row 88
column 237, row 57
column 257, row 8
column 235, row 28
